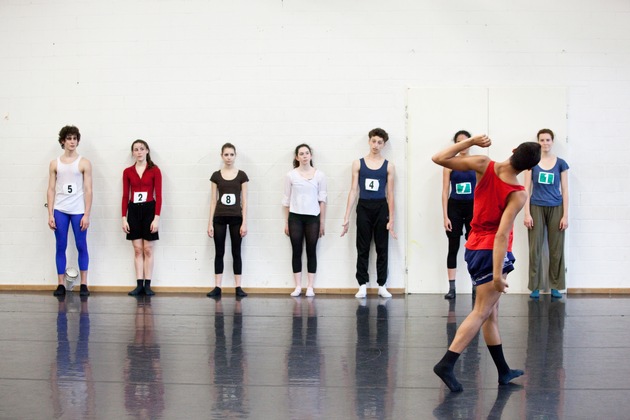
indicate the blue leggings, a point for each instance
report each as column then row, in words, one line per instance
column 63, row 221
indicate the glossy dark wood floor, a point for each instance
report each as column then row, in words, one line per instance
column 112, row 356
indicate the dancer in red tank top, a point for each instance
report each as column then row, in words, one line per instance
column 498, row 199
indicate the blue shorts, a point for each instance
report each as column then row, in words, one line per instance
column 480, row 265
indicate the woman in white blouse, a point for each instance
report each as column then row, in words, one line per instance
column 304, row 204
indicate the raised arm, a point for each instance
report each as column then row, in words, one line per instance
column 516, row 201
column 449, row 158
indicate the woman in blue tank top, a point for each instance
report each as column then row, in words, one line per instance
column 457, row 208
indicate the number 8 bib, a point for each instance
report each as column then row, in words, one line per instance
column 228, row 199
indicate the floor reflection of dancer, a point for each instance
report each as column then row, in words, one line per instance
column 71, row 378
column 372, row 364
column 229, row 367
column 545, row 358
column 144, row 389
column 305, row 362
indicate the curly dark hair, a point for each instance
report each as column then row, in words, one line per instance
column 66, row 131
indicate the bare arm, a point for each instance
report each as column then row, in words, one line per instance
column 446, row 183
column 213, row 207
column 50, row 193
column 243, row 230
column 391, row 172
column 352, row 196
column 322, row 218
column 449, row 158
column 528, row 221
column 564, row 185
column 516, row 201
column 87, row 193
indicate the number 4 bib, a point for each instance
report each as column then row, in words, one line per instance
column 371, row 184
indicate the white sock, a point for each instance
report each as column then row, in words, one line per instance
column 297, row 291
column 310, row 292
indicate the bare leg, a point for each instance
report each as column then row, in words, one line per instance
column 218, row 279
column 138, row 258
column 487, row 298
column 237, row 280
column 147, row 247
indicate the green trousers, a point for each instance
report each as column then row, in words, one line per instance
column 546, row 219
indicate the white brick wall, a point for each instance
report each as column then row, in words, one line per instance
column 267, row 75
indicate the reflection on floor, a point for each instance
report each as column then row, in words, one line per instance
column 277, row 357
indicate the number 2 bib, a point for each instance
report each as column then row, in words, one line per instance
column 140, row 197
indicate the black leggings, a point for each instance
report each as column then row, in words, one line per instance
column 460, row 213
column 220, row 224
column 304, row 227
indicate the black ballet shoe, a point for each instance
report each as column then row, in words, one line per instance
column 60, row 291
column 139, row 290
column 240, row 292
column 450, row 294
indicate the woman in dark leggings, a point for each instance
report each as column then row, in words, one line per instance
column 228, row 209
column 458, row 189
column 304, row 203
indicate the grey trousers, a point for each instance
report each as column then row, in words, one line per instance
column 546, row 219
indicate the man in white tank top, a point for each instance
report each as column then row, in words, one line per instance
column 69, row 202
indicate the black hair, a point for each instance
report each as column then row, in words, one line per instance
column 525, row 156
column 459, row 133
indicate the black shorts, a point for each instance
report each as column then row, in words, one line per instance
column 139, row 218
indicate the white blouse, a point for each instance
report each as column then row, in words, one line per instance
column 301, row 195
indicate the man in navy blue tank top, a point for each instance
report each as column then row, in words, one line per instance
column 373, row 182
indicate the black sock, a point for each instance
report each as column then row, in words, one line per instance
column 505, row 373
column 139, row 281
column 451, row 285
column 147, row 282
column 444, row 369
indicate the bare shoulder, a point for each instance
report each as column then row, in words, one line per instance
column 85, row 164
column 390, row 167
column 53, row 165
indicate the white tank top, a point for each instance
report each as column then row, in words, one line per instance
column 69, row 188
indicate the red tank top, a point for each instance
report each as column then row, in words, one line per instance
column 490, row 201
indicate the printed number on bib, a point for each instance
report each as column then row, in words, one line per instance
column 371, row 184
column 140, row 197
column 546, row 178
column 228, row 199
column 463, row 188
column 69, row 189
